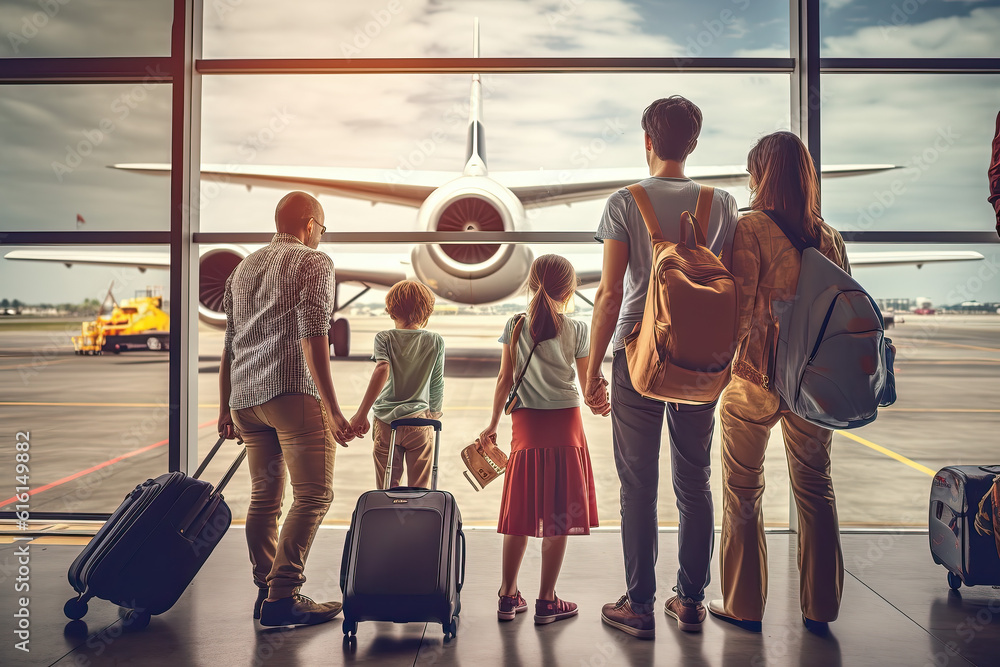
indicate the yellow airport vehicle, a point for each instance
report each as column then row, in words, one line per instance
column 138, row 323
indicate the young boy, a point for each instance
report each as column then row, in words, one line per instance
column 409, row 382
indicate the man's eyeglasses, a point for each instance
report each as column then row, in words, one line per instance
column 322, row 227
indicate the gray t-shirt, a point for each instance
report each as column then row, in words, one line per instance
column 623, row 222
column 548, row 382
column 416, row 372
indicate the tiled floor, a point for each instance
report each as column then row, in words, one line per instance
column 897, row 610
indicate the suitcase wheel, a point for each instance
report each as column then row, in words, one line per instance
column 132, row 619
column 350, row 628
column 954, row 581
column 451, row 629
column 75, row 609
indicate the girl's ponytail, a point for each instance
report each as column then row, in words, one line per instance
column 553, row 281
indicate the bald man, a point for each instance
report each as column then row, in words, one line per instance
column 276, row 392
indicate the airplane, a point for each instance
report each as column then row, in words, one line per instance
column 474, row 200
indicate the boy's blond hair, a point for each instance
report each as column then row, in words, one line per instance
column 409, row 302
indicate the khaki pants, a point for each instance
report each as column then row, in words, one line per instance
column 747, row 413
column 415, row 444
column 290, row 432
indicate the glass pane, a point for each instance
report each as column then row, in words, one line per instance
column 97, row 424
column 376, row 28
column 398, row 126
column 947, row 378
column 941, row 144
column 57, row 144
column 73, row 29
column 394, row 125
column 910, row 29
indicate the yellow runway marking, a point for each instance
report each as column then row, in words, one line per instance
column 888, row 452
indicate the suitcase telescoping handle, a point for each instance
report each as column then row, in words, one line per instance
column 413, row 421
column 232, row 468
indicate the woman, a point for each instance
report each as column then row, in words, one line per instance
column 548, row 488
column 784, row 187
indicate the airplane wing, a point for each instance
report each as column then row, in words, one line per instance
column 390, row 186
column 552, row 187
column 917, row 258
column 533, row 188
column 588, row 265
column 363, row 271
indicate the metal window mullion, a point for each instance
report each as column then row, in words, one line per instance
column 185, row 177
column 85, row 70
column 255, row 66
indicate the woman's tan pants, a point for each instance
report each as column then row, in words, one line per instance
column 747, row 414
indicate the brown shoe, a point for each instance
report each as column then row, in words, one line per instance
column 717, row 609
column 690, row 614
column 620, row 615
column 297, row 610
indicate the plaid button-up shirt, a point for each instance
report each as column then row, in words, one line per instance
column 275, row 297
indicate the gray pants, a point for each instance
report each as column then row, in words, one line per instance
column 636, row 424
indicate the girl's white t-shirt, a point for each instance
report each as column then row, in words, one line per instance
column 549, row 381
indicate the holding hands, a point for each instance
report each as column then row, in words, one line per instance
column 595, row 395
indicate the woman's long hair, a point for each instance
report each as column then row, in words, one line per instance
column 784, row 180
column 552, row 282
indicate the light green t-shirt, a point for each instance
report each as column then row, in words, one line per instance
column 416, row 372
column 549, row 381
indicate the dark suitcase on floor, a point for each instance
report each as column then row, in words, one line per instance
column 404, row 556
column 971, row 558
column 151, row 548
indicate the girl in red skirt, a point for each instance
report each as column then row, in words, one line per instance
column 548, row 489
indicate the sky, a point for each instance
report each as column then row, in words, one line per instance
column 56, row 141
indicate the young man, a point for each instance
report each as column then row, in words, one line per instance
column 671, row 126
column 276, row 391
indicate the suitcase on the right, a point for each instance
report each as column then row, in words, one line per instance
column 971, row 558
column 404, row 555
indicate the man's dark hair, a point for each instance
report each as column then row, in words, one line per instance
column 295, row 209
column 673, row 125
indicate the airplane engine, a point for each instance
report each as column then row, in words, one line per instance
column 472, row 272
column 214, row 268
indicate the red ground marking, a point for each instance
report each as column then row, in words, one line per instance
column 95, row 468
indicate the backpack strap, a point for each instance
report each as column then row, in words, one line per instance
column 793, row 238
column 703, row 211
column 641, row 198
column 515, row 335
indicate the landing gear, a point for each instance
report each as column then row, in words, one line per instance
column 340, row 337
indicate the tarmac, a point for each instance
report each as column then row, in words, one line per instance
column 98, row 424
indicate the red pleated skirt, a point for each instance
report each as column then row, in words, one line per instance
column 548, row 487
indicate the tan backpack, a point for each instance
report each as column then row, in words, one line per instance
column 682, row 350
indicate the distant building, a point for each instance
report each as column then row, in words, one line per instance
column 899, row 303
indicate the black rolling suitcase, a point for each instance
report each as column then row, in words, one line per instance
column 404, row 556
column 971, row 558
column 153, row 545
